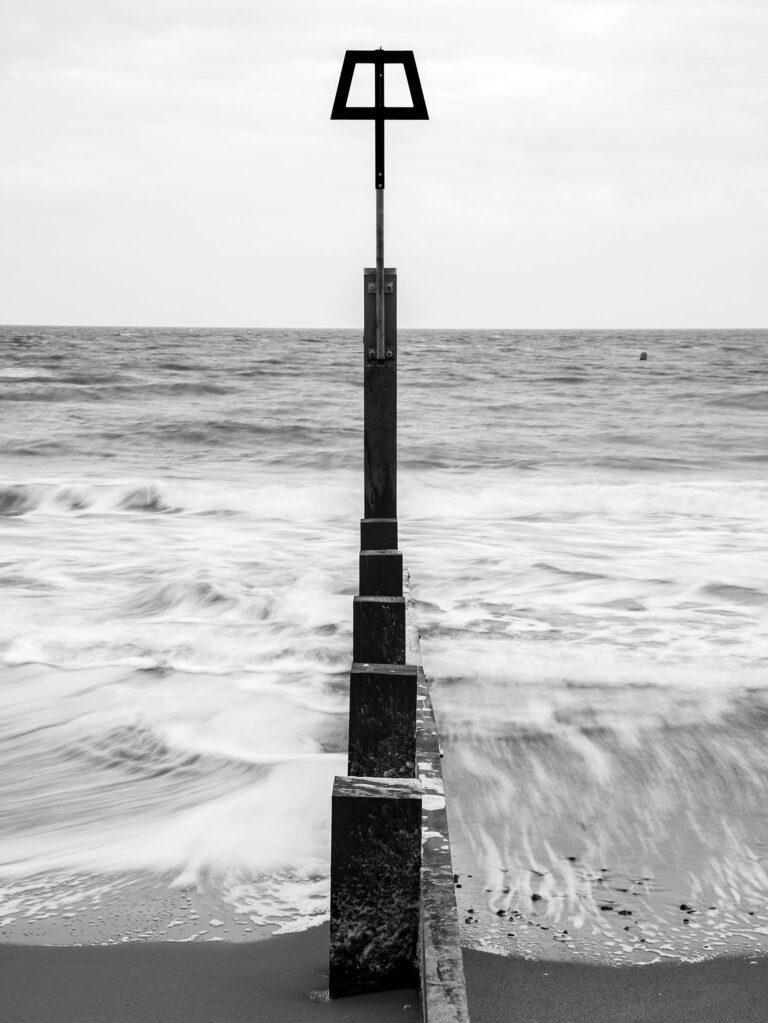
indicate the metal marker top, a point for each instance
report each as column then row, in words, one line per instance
column 379, row 113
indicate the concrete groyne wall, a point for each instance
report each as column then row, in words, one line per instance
column 441, row 968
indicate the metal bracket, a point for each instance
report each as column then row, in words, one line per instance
column 389, row 288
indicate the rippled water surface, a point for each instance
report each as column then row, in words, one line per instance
column 585, row 537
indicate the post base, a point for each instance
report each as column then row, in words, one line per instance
column 375, row 885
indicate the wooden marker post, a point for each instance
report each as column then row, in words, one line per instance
column 379, row 403
column 375, row 885
column 376, row 816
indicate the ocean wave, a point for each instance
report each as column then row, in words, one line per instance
column 183, row 388
column 515, row 661
column 34, row 449
column 92, row 387
column 26, row 498
column 227, row 431
column 482, row 495
column 88, row 378
column 571, row 573
column 736, row 594
column 582, row 379
column 16, row 500
column 216, row 834
column 20, row 580
column 756, row 400
column 148, row 498
column 23, row 374
column 136, row 749
column 278, row 497
column 140, row 751
column 161, row 597
column 54, row 393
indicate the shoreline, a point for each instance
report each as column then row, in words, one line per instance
column 717, row 990
column 61, row 909
column 284, row 977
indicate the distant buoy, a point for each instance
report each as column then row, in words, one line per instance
column 643, row 356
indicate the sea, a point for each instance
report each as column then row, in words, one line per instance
column 585, row 535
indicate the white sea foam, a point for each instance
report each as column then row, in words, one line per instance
column 478, row 495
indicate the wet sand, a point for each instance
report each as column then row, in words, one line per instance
column 284, row 978
column 501, row 988
column 631, row 828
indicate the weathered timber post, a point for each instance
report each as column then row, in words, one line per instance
column 381, row 573
column 375, row 884
column 378, row 630
column 379, row 526
column 382, row 720
column 376, row 811
column 379, row 611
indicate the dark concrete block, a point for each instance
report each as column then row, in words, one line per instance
column 378, row 630
column 382, row 720
column 381, row 573
column 375, row 866
column 378, row 534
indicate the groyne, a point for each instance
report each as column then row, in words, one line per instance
column 441, row 969
column 394, row 919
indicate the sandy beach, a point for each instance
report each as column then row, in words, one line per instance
column 285, row 978
column 282, row 978
column 728, row 990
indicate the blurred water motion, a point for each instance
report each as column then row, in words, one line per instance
column 585, row 536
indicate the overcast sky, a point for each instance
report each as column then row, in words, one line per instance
column 587, row 163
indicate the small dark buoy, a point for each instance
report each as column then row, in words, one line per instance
column 643, row 356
